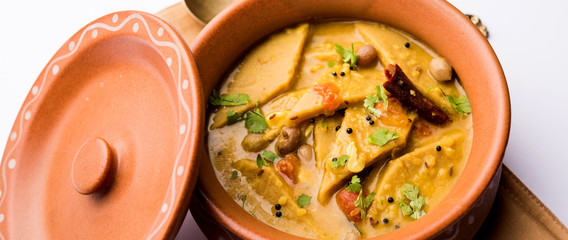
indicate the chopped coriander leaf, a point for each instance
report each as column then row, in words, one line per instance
column 330, row 64
column 255, row 122
column 340, row 161
column 244, row 199
column 414, row 209
column 364, row 202
column 410, row 191
column 418, row 203
column 269, row 156
column 382, row 137
column 355, row 185
column 348, row 55
column 370, row 102
column 252, row 214
column 460, row 104
column 373, row 99
column 234, row 117
column 234, row 174
column 406, row 210
column 260, row 161
column 323, row 123
column 381, row 92
column 369, row 199
column 303, row 200
column 355, row 179
column 228, row 100
column 416, row 215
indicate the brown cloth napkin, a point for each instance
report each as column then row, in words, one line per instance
column 516, row 214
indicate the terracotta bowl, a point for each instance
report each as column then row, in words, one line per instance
column 436, row 22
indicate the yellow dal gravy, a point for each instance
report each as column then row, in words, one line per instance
column 277, row 74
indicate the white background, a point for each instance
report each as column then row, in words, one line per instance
column 529, row 37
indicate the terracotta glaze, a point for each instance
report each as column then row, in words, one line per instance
column 436, row 22
column 103, row 145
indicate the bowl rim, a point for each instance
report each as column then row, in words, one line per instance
column 496, row 97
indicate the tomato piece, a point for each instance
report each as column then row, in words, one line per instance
column 289, row 166
column 394, row 115
column 346, row 202
column 330, row 93
column 422, row 129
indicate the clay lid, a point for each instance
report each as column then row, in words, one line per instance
column 104, row 146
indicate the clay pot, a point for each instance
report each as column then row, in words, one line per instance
column 111, row 133
column 104, row 146
column 436, row 22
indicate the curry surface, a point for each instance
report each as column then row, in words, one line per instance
column 280, row 74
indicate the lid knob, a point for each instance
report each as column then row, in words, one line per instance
column 91, row 170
